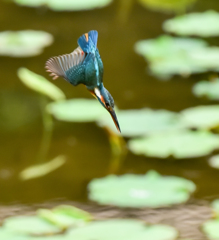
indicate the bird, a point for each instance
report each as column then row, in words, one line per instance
column 84, row 66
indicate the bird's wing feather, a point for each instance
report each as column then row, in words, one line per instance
column 58, row 66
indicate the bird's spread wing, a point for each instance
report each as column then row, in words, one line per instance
column 69, row 66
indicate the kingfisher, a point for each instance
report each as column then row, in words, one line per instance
column 84, row 66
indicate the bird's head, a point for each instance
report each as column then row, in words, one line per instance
column 106, row 100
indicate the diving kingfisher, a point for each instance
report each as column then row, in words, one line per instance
column 85, row 66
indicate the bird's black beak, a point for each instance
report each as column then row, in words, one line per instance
column 115, row 120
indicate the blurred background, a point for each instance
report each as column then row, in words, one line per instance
column 86, row 146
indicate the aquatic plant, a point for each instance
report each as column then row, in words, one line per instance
column 26, row 43
column 203, row 24
column 149, row 190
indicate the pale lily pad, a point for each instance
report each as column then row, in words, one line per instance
column 179, row 144
column 65, row 5
column 6, row 234
column 43, row 169
column 65, row 216
column 167, row 5
column 214, row 161
column 149, row 190
column 211, row 229
column 145, row 121
column 77, row 110
column 204, row 117
column 119, row 229
column 215, row 207
column 40, row 84
column 30, row 225
column 210, row 89
column 168, row 56
column 204, row 24
column 24, row 43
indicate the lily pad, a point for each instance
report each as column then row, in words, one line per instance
column 77, row 110
column 145, row 121
column 198, row 24
column 214, row 161
column 215, row 207
column 204, row 117
column 211, row 229
column 149, row 190
column 65, row 216
column 179, row 144
column 43, row 169
column 8, row 235
column 167, row 5
column 65, row 5
column 30, row 225
column 210, row 89
column 118, row 229
column 40, row 84
column 168, row 56
column 24, row 43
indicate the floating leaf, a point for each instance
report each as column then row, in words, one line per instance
column 167, row 5
column 214, row 161
column 140, row 190
column 215, row 206
column 118, row 229
column 5, row 234
column 65, row 216
column 204, row 117
column 211, row 229
column 77, row 110
column 169, row 55
column 209, row 89
column 40, row 84
column 24, row 43
column 179, row 144
column 65, row 5
column 199, row 24
column 31, row 225
column 43, row 169
column 144, row 121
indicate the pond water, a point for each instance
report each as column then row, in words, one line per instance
column 85, row 145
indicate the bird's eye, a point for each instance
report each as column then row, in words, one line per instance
column 107, row 104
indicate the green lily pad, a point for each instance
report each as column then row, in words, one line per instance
column 30, row 225
column 168, row 56
column 179, row 144
column 132, row 190
column 40, row 84
column 65, row 216
column 77, row 110
column 211, row 229
column 65, row 5
column 43, row 169
column 210, row 89
column 204, row 117
column 167, row 5
column 118, row 229
column 24, row 43
column 140, row 122
column 214, row 161
column 199, row 24
column 215, row 207
column 5, row 234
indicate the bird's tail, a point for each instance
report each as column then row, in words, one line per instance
column 88, row 41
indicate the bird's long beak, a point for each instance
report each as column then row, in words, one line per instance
column 115, row 120
column 97, row 95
